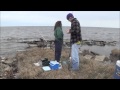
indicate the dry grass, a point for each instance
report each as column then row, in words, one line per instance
column 89, row 69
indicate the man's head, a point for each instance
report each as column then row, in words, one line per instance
column 70, row 17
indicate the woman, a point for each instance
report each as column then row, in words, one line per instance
column 58, row 33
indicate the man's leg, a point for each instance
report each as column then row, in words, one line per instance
column 75, row 57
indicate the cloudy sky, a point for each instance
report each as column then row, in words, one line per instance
column 48, row 18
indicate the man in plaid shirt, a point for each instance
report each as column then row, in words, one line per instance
column 75, row 40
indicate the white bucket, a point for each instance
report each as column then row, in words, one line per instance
column 118, row 63
column 117, row 70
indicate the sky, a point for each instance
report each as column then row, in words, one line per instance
column 48, row 18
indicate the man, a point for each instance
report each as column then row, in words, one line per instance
column 75, row 40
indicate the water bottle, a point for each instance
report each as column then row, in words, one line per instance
column 117, row 70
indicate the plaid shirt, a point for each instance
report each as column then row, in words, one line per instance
column 75, row 31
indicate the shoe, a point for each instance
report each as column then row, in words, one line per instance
column 60, row 66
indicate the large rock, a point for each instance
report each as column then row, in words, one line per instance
column 100, row 58
column 88, row 57
column 8, row 73
column 115, row 52
column 41, row 44
column 115, row 55
column 114, row 58
column 8, row 68
column 85, row 52
column 3, row 66
column 3, row 58
column 93, row 53
column 9, row 62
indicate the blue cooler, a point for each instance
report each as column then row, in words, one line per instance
column 54, row 65
column 117, row 70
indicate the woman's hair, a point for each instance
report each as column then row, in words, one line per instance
column 58, row 24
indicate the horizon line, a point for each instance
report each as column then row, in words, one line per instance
column 62, row 26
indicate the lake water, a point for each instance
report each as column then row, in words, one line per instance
column 10, row 36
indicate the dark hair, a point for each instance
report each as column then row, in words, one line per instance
column 58, row 24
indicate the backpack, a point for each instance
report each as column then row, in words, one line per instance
column 45, row 62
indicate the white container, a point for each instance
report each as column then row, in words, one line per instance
column 117, row 70
column 118, row 63
column 46, row 68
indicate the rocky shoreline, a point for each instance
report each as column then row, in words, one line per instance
column 47, row 43
column 10, row 65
